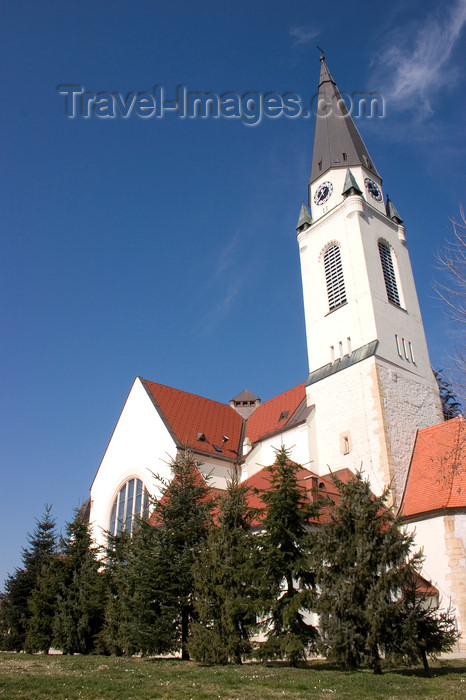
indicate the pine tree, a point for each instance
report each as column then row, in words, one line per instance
column 224, row 576
column 182, row 517
column 362, row 560
column 81, row 595
column 287, row 583
column 14, row 611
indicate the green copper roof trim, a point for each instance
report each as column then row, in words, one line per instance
column 392, row 212
column 350, row 186
column 356, row 356
column 304, row 217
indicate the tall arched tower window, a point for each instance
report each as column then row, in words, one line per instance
column 389, row 273
column 334, row 277
column 131, row 502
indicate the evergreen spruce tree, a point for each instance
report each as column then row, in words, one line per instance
column 182, row 517
column 225, row 590
column 424, row 629
column 362, row 561
column 451, row 405
column 19, row 587
column 42, row 606
column 287, row 583
column 113, row 636
column 81, row 595
column 136, row 615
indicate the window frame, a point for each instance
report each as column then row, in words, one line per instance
column 390, row 273
column 334, row 276
column 133, row 493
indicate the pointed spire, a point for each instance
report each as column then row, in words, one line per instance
column 337, row 142
column 392, row 212
column 351, row 186
column 304, row 220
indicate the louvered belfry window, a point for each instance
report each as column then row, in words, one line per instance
column 389, row 273
column 334, row 277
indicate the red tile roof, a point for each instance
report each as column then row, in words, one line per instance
column 437, row 473
column 266, row 418
column 425, row 588
column 188, row 415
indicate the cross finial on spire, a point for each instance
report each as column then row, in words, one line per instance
column 322, row 53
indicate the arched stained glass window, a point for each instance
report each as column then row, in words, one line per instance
column 334, row 277
column 389, row 273
column 132, row 502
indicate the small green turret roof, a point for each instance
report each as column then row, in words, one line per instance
column 304, row 217
column 350, row 186
column 392, row 212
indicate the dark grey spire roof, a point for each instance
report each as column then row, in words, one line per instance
column 337, row 142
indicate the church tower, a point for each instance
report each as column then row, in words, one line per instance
column 370, row 376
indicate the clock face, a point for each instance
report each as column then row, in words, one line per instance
column 373, row 189
column 323, row 193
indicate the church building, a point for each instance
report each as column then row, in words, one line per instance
column 370, row 398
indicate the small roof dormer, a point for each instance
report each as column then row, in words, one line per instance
column 245, row 403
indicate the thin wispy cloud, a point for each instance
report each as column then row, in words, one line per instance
column 227, row 256
column 303, row 35
column 415, row 61
column 221, row 289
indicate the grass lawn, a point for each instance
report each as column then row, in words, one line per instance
column 38, row 677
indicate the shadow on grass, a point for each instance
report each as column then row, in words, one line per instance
column 435, row 670
column 439, row 668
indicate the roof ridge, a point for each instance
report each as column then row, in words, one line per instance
column 188, row 393
column 455, row 449
column 292, row 388
column 436, row 426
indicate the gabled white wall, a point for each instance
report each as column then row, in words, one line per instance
column 296, row 440
column 140, row 445
column 217, row 472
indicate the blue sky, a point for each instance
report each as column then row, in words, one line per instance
column 166, row 248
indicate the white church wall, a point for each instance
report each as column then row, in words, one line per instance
column 409, row 347
column 378, row 407
column 443, row 541
column 347, row 406
column 140, row 446
column 296, row 440
column 410, row 403
column 218, row 473
column 353, row 324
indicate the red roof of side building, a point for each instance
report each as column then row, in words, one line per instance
column 437, row 473
column 274, row 414
column 187, row 416
column 315, row 486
